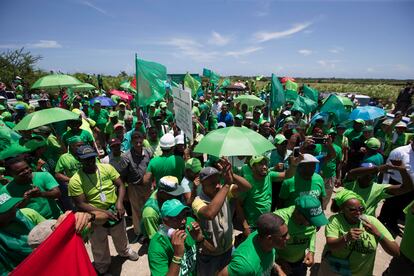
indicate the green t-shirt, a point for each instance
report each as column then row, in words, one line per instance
column 90, row 186
column 362, row 258
column 166, row 165
column 249, row 259
column 196, row 111
column 44, row 206
column 301, row 237
column 297, row 186
column 375, row 159
column 101, row 118
column 151, row 216
column 407, row 242
column 67, row 164
column 258, row 200
column 53, row 151
column 328, row 169
column 341, row 141
column 372, row 194
column 109, row 130
column 34, row 216
column 169, row 117
column 121, row 115
column 161, row 252
column 84, row 135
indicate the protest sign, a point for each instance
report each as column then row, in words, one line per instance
column 182, row 109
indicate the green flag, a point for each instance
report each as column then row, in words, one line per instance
column 291, row 95
column 191, row 83
column 310, row 93
column 225, row 83
column 151, row 78
column 206, row 72
column 277, row 95
column 214, row 78
column 304, row 105
column 290, row 85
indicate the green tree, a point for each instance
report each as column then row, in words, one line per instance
column 19, row 63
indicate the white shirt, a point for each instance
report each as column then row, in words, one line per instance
column 406, row 154
column 216, row 108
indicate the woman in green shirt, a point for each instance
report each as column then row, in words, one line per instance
column 352, row 238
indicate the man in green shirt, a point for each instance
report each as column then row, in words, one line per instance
column 75, row 130
column 122, row 112
column 172, row 250
column 256, row 255
column 356, row 131
column 39, row 189
column 166, row 164
column 371, row 155
column 305, row 181
column 100, row 116
column 94, row 188
column 66, row 167
column 110, row 126
column 362, row 182
column 258, row 199
column 302, row 220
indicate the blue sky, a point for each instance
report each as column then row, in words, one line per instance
column 361, row 39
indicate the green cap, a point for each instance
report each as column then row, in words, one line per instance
column 97, row 102
column 238, row 116
column 19, row 97
column 193, row 164
column 331, row 131
column 2, row 108
column 74, row 139
column 172, row 208
column 113, row 114
column 256, row 159
column 310, row 207
column 279, row 139
column 359, row 121
column 7, row 202
column 152, row 104
column 344, row 195
column 7, row 116
column 373, row 143
column 368, row 128
column 163, row 104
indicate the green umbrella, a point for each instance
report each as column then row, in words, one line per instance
column 234, row 141
column 55, row 81
column 84, row 87
column 45, row 117
column 250, row 100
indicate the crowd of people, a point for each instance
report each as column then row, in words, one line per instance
column 120, row 161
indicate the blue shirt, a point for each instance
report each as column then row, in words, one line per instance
column 227, row 118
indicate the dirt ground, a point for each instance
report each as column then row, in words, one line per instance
column 121, row 266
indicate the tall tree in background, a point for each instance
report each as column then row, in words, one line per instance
column 19, row 63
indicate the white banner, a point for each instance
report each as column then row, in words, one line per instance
column 183, row 111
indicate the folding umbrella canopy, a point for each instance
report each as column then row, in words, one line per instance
column 55, row 81
column 367, row 113
column 45, row 117
column 285, row 79
column 122, row 94
column 234, row 141
column 249, row 100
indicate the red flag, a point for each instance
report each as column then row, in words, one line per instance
column 62, row 253
column 134, row 83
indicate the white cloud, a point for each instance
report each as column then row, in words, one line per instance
column 330, row 64
column 370, row 69
column 41, row 44
column 218, row 39
column 266, row 36
column 336, row 50
column 48, row 44
column 243, row 52
column 305, row 52
column 192, row 49
column 96, row 8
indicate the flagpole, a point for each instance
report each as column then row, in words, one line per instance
column 138, row 109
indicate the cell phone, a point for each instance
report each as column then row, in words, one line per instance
column 296, row 151
column 319, row 140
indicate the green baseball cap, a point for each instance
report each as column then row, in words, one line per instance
column 194, row 165
column 373, row 143
column 172, row 208
column 2, row 108
column 360, row 121
column 163, row 104
column 6, row 116
column 310, row 207
column 96, row 102
column 7, row 202
column 238, row 116
column 256, row 159
column 331, row 131
column 19, row 97
column 279, row 139
column 74, row 139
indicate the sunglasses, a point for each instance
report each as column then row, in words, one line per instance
column 360, row 209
